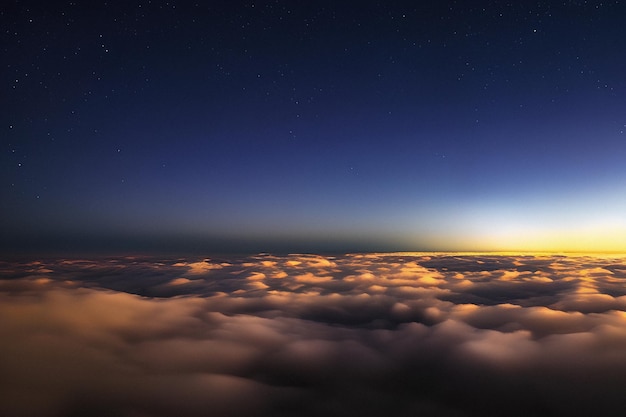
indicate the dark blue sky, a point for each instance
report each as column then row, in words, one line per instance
column 237, row 126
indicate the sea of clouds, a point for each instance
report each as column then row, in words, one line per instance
column 308, row 335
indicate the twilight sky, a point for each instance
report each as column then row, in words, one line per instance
column 326, row 125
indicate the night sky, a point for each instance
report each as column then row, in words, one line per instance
column 312, row 126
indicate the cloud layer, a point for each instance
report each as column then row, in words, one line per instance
column 368, row 335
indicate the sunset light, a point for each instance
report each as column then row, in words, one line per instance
column 327, row 208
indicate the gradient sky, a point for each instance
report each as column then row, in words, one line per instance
column 268, row 126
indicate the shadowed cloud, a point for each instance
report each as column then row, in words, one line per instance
column 369, row 335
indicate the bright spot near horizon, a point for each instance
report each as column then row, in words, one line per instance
column 589, row 222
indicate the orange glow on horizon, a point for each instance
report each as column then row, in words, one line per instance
column 589, row 239
column 501, row 232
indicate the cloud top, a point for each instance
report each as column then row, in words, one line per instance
column 369, row 335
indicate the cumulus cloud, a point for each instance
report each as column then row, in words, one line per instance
column 368, row 335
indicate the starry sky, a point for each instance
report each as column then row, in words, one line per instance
column 312, row 126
